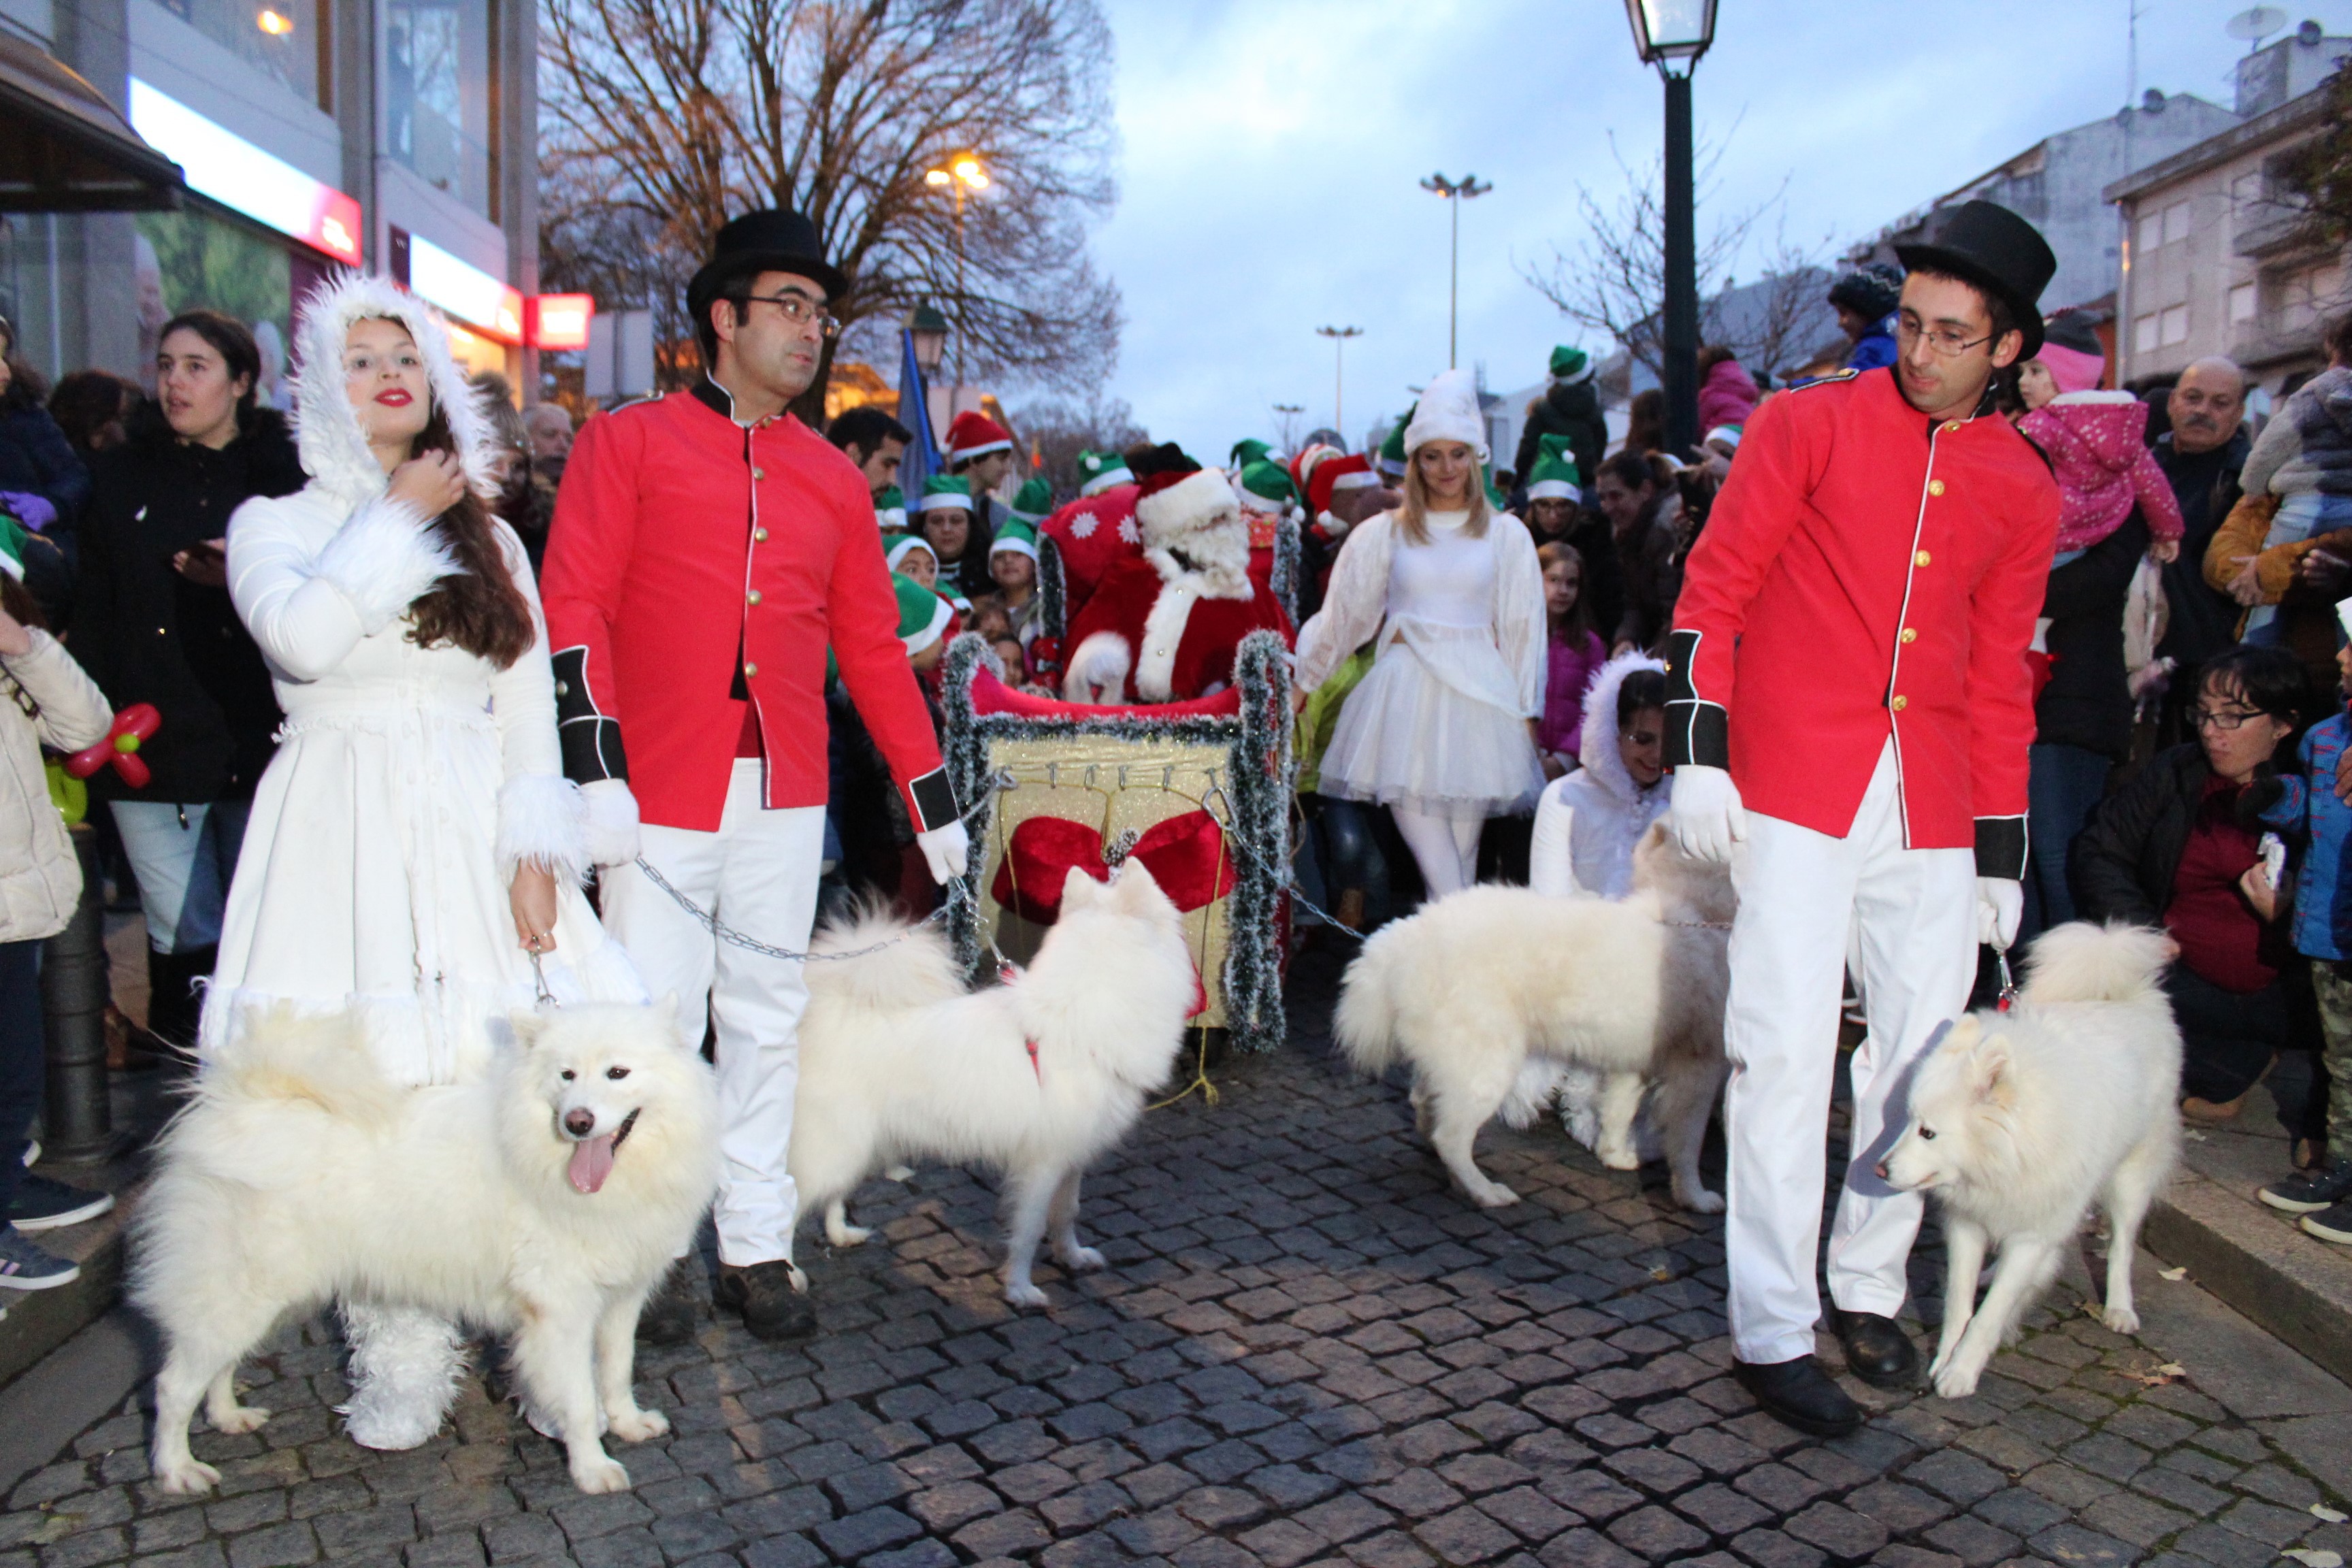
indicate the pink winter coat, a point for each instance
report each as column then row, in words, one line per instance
column 2097, row 445
column 1728, row 396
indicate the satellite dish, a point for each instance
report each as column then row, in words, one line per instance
column 2256, row 24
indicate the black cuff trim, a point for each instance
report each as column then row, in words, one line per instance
column 2000, row 848
column 1699, row 734
column 934, row 799
column 1681, row 655
column 591, row 741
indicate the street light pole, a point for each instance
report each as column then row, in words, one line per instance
column 1455, row 194
column 963, row 173
column 1338, row 336
column 1667, row 34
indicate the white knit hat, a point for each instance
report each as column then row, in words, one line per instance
column 1448, row 411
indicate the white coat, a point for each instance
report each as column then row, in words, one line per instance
column 1588, row 822
column 40, row 876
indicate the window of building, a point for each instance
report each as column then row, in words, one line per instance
column 2151, row 232
column 2246, row 193
column 2144, row 334
column 2244, row 303
column 2175, row 222
column 439, row 66
column 2176, row 326
column 286, row 38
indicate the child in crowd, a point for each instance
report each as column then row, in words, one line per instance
column 1588, row 823
column 1012, row 567
column 2302, row 464
column 1575, row 652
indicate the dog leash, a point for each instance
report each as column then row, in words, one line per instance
column 2007, row 986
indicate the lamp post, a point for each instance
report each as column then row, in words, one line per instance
column 1455, row 194
column 963, row 173
column 1288, row 413
column 1338, row 336
column 1668, row 32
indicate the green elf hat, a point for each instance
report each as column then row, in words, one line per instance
column 908, row 546
column 890, row 511
column 12, row 541
column 1554, row 476
column 946, row 492
column 1102, row 471
column 1264, row 487
column 1570, row 366
column 1244, row 453
column 1033, row 500
column 923, row 615
column 1017, row 537
column 1391, row 461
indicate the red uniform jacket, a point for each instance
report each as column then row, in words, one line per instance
column 695, row 566
column 1866, row 572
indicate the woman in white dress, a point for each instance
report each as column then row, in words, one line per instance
column 1441, row 729
column 414, row 843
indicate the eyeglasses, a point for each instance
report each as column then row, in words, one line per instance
column 1947, row 343
column 2227, row 718
column 799, row 310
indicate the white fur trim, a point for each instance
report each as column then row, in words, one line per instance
column 1554, row 489
column 382, row 557
column 916, row 642
column 1198, row 517
column 1596, row 743
column 1163, row 633
column 1098, row 671
column 1448, row 411
column 1013, row 545
column 1105, row 481
column 543, row 820
column 2075, row 398
column 1356, row 479
column 610, row 821
column 326, row 429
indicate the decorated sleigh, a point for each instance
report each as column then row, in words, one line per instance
column 1199, row 792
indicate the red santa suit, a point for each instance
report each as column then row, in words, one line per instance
column 697, row 570
column 1163, row 626
column 1850, row 643
column 1092, row 535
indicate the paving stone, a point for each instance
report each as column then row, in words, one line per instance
column 1656, row 1534
column 1723, row 1512
column 1972, row 1541
column 2073, row 1545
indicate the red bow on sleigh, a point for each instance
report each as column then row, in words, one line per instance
column 1185, row 854
column 134, row 725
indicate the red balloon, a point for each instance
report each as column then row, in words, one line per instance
column 135, row 724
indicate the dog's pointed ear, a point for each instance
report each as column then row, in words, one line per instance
column 1080, row 892
column 526, row 1024
column 1992, row 1068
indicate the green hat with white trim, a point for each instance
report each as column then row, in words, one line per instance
column 1246, row 452
column 1102, row 471
column 1495, row 498
column 1264, row 487
column 1570, row 366
column 923, row 615
column 1033, row 500
column 1017, row 537
column 890, row 509
column 1554, row 476
column 908, row 546
column 1390, row 457
column 946, row 492
column 13, row 540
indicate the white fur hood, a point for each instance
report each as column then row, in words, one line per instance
column 1597, row 743
column 334, row 453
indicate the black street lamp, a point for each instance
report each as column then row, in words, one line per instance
column 1455, row 193
column 1670, row 34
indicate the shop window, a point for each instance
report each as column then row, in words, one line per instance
column 196, row 258
column 439, row 65
column 286, row 38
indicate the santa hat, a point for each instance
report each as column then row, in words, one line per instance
column 974, row 435
column 1448, row 411
column 2072, row 352
column 1264, row 487
column 1016, row 538
column 923, row 615
column 1554, row 476
column 1342, row 472
column 908, row 546
column 1569, row 366
column 1102, row 471
column 890, row 509
column 1197, row 512
column 1033, row 500
column 946, row 492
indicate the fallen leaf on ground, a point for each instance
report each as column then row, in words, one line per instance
column 2171, row 1371
column 2312, row 1557
column 2321, row 1511
column 2172, row 1274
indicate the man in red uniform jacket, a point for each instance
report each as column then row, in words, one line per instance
column 707, row 547
column 1850, row 703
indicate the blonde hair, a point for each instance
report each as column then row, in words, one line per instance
column 1412, row 512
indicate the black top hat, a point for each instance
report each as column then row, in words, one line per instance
column 771, row 239
column 1993, row 248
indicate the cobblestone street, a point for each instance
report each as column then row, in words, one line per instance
column 1306, row 1348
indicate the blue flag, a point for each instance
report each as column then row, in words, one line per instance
column 922, row 459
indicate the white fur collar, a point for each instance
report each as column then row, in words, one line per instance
column 1597, row 743
column 326, row 430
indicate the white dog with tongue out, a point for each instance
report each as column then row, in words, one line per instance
column 543, row 1203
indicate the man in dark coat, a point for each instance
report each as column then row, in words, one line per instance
column 2201, row 455
column 1570, row 407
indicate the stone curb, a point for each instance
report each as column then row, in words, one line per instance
column 2296, row 1289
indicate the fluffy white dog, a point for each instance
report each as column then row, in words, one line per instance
column 1490, row 991
column 1038, row 1079
column 543, row 1203
column 2019, row 1120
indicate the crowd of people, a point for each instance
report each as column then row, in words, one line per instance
column 422, row 673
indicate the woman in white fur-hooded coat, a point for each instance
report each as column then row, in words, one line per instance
column 1588, row 823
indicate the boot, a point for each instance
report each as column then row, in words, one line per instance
column 403, row 1373
column 175, row 1003
column 1352, row 909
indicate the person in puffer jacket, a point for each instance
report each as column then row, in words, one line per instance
column 1569, row 406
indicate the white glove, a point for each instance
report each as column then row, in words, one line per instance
column 1706, row 817
column 946, row 849
column 612, row 822
column 2000, row 904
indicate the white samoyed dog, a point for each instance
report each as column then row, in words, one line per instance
column 1492, row 992
column 543, row 1203
column 2020, row 1119
column 901, row 1062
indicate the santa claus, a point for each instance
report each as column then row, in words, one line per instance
column 1163, row 627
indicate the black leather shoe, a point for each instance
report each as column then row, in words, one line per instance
column 1800, row 1393
column 1878, row 1352
column 763, row 1293
column 669, row 1314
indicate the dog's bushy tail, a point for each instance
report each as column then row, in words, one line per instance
column 912, row 973
column 1365, row 1024
column 2079, row 962
column 284, row 1053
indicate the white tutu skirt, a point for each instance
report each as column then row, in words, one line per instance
column 1434, row 729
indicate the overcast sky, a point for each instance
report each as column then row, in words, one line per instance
column 1268, row 180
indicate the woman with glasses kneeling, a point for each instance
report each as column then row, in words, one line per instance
column 2170, row 850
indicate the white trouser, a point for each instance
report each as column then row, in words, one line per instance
column 758, row 873
column 1445, row 847
column 1911, row 914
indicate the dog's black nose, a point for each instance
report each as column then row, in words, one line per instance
column 1881, row 1169
column 580, row 1123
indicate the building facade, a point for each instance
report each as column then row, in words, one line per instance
column 2216, row 262
column 396, row 135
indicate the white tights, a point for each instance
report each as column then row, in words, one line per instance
column 1445, row 847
